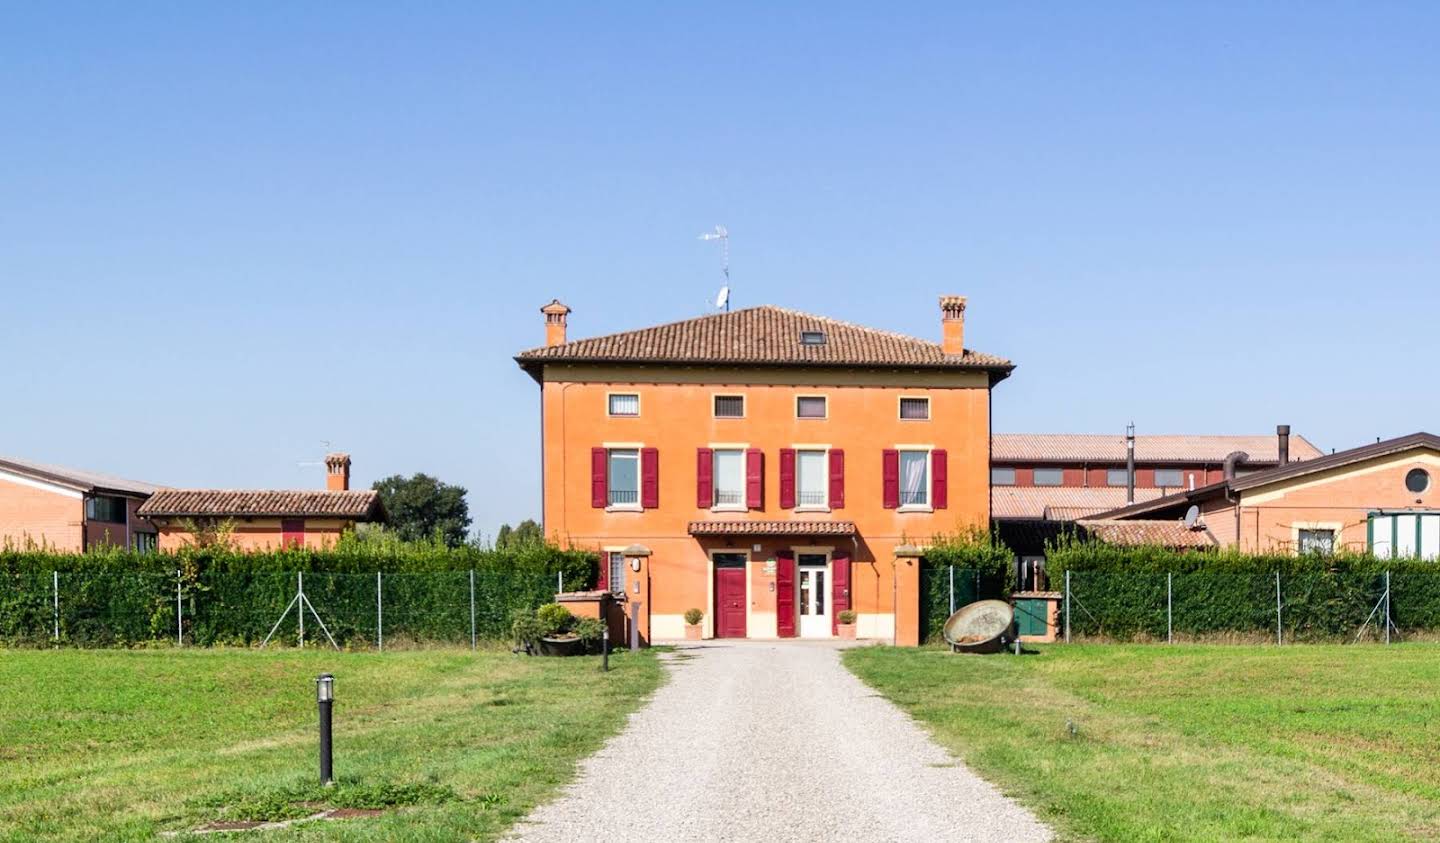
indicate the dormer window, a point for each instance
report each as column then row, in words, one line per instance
column 812, row 337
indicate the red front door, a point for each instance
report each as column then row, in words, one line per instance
column 729, row 602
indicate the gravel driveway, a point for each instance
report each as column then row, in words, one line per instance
column 752, row 740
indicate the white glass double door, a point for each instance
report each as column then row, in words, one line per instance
column 813, row 600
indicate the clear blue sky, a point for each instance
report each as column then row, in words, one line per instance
column 229, row 232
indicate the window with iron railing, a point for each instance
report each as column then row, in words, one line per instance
column 624, row 404
column 729, row 478
column 914, row 478
column 915, row 408
column 729, row 406
column 623, row 485
column 810, row 479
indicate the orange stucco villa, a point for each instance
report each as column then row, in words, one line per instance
column 768, row 467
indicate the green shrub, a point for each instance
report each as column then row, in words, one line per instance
column 847, row 617
column 114, row 597
column 981, row 570
column 554, row 619
column 1121, row 592
column 694, row 616
column 589, row 630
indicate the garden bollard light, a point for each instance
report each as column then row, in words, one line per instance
column 325, row 697
column 605, row 648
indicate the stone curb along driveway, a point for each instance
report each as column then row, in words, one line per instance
column 753, row 740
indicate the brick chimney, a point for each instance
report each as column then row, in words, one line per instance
column 337, row 472
column 952, row 324
column 555, row 314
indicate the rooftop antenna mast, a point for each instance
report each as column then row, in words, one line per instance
column 723, row 235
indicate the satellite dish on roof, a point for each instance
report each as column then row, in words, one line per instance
column 1192, row 516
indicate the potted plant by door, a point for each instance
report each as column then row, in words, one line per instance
column 693, row 629
column 846, row 626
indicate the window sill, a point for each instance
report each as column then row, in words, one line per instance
column 730, row 508
column 915, row 507
column 812, row 509
column 625, row 507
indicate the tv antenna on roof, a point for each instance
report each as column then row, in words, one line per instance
column 722, row 234
column 314, row 463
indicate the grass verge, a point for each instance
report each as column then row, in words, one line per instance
column 1132, row 743
column 454, row 745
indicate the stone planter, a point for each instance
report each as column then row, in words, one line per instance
column 693, row 631
column 560, row 647
column 845, row 631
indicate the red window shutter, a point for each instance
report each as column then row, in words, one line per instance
column 785, row 592
column 598, row 478
column 837, row 478
column 292, row 533
column 839, row 587
column 754, row 479
column 890, row 473
column 939, row 482
column 649, row 478
column 787, row 478
column 704, row 478
column 602, row 582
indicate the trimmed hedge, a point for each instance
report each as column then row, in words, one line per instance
column 1120, row 592
column 982, row 572
column 119, row 598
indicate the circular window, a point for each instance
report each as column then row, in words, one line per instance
column 1417, row 480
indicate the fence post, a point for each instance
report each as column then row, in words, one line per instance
column 379, row 615
column 952, row 590
column 1387, row 607
column 56, row 592
column 1279, row 636
column 179, row 614
column 1067, row 605
column 472, row 608
column 559, row 582
column 300, row 604
column 1170, row 607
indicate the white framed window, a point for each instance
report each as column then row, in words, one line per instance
column 1002, row 477
column 622, row 482
column 812, row 479
column 144, row 542
column 623, row 404
column 1169, row 478
column 811, row 407
column 729, row 478
column 729, row 406
column 1049, row 476
column 914, row 408
column 1316, row 541
column 1115, row 477
column 616, row 563
column 914, row 479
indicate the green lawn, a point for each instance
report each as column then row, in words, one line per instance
column 120, row 745
column 1319, row 742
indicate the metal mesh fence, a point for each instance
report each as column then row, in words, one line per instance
column 119, row 608
column 1304, row 606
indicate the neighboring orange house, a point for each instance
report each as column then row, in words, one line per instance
column 266, row 519
column 1380, row 497
column 769, row 467
column 70, row 510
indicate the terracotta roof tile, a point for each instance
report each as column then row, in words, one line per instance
column 1059, row 503
column 771, row 528
column 1104, row 447
column 1139, row 532
column 225, row 503
column 764, row 335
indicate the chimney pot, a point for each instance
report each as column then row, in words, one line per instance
column 555, row 314
column 952, row 324
column 1282, row 434
column 337, row 472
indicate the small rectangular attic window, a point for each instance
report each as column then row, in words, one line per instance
column 812, row 337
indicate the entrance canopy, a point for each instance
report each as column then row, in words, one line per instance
column 771, row 528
